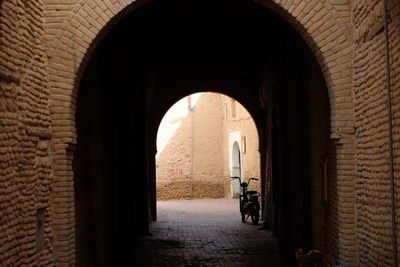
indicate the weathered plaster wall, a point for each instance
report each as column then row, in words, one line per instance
column 174, row 157
column 26, row 231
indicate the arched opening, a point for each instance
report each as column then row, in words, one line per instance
column 194, row 147
column 236, row 169
column 236, row 161
column 166, row 50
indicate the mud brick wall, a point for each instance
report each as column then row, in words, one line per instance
column 191, row 163
column 71, row 28
column 327, row 26
column 189, row 190
column 373, row 182
column 207, row 154
column 25, row 162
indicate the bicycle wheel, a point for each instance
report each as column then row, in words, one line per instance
column 255, row 213
column 242, row 213
column 243, row 216
column 255, row 218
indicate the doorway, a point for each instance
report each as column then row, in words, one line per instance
column 236, row 170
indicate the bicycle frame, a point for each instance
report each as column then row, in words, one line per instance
column 248, row 201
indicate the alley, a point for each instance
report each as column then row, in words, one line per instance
column 206, row 232
column 84, row 88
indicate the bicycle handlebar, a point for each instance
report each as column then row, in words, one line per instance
column 251, row 178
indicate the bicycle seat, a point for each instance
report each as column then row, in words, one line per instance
column 251, row 192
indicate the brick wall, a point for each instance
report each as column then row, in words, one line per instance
column 70, row 30
column 332, row 216
column 25, row 165
column 55, row 13
column 207, row 146
column 322, row 24
column 373, row 183
column 175, row 153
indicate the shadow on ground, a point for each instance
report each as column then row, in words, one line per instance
column 204, row 233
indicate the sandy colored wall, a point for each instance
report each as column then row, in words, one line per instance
column 207, row 147
column 237, row 119
column 174, row 153
column 25, row 136
column 26, row 170
column 189, row 164
column 324, row 25
column 374, row 233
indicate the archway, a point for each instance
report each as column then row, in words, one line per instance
column 194, row 147
column 160, row 84
column 236, row 169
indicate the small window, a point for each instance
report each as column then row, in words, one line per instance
column 233, row 107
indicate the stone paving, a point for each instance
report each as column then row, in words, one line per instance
column 204, row 233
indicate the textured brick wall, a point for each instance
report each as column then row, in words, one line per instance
column 207, row 137
column 70, row 29
column 25, row 162
column 373, row 183
column 190, row 190
column 332, row 217
column 174, row 152
column 55, row 13
column 324, row 25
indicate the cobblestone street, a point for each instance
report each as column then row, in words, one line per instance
column 204, row 233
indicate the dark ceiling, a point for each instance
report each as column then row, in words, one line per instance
column 206, row 35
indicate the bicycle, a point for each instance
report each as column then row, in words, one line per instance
column 249, row 201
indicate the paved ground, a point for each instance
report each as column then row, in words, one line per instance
column 204, row 233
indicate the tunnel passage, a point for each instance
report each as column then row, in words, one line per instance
column 164, row 51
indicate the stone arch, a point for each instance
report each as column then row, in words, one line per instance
column 324, row 33
column 236, row 162
column 236, row 169
column 82, row 31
